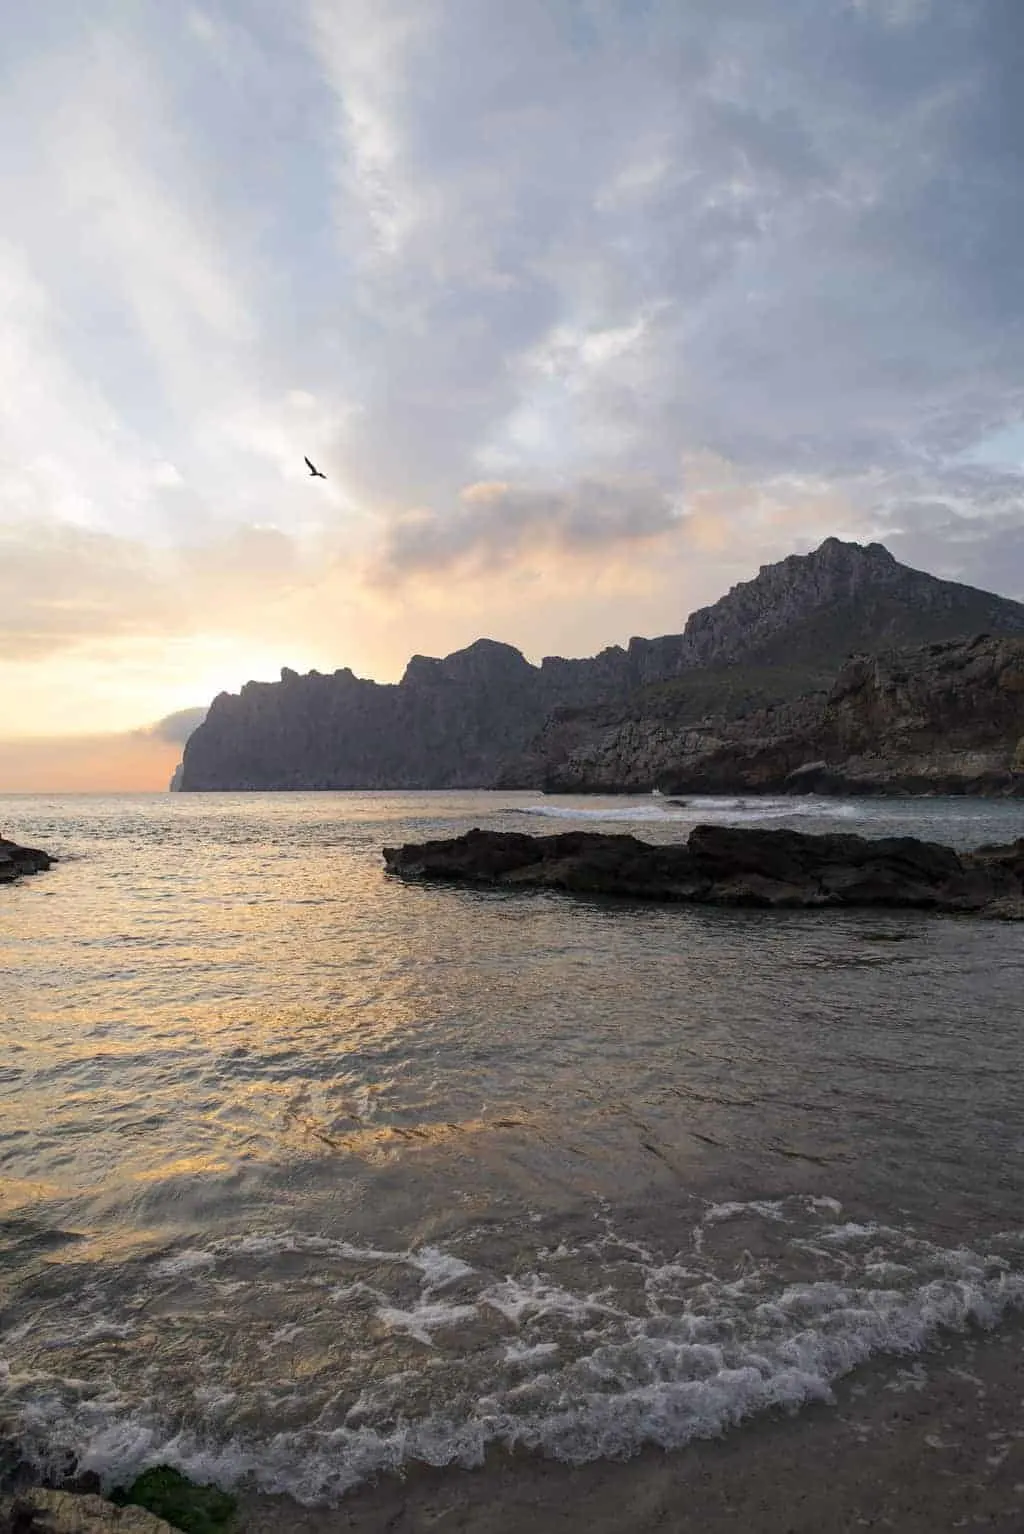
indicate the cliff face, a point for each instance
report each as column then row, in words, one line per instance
column 941, row 718
column 816, row 609
column 448, row 723
column 944, row 718
column 477, row 717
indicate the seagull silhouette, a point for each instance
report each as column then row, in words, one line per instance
column 314, row 472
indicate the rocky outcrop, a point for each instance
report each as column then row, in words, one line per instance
column 15, row 861
column 38, row 1511
column 449, row 723
column 945, row 718
column 473, row 719
column 159, row 1501
column 817, row 609
column 724, row 866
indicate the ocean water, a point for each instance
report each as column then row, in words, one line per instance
column 306, row 1173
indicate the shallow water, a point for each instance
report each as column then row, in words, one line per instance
column 305, row 1172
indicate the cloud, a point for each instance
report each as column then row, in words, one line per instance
column 63, row 586
column 594, row 242
column 653, row 292
column 497, row 524
column 176, row 728
column 60, row 584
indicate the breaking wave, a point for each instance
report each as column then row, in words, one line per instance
column 690, row 811
column 588, row 1349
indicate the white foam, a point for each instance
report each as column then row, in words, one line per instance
column 698, row 809
column 273, row 1243
column 526, row 1353
column 182, row 1263
column 627, row 812
column 643, row 1389
column 769, row 1209
column 439, row 1268
column 682, row 1350
column 425, row 1318
column 533, row 1296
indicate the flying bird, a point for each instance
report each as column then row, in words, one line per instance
column 314, row 472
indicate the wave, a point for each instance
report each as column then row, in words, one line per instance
column 692, row 810
column 594, row 1351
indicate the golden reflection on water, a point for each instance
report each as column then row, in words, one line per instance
column 184, row 1166
column 216, row 990
column 18, row 1192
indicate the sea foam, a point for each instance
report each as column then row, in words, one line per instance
column 689, row 812
column 603, row 1346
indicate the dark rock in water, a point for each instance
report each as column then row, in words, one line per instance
column 83, row 1483
column 15, row 860
column 720, row 865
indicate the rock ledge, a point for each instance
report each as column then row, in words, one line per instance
column 40, row 1511
column 15, row 861
column 724, row 866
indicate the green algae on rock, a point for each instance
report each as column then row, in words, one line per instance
column 191, row 1508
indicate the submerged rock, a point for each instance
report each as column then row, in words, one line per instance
column 721, row 865
column 15, row 860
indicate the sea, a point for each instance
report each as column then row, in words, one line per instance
column 308, row 1175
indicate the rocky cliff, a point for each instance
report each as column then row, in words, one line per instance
column 816, row 609
column 940, row 718
column 477, row 717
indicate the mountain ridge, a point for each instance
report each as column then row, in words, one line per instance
column 468, row 719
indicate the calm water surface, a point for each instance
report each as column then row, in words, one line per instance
column 305, row 1172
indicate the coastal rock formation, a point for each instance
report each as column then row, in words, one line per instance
column 15, row 861
column 944, row 718
column 473, row 719
column 38, row 1511
column 723, row 866
column 817, row 609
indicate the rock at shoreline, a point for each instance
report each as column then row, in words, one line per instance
column 725, row 866
column 40, row 1511
column 15, row 861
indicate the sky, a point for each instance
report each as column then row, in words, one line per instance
column 586, row 308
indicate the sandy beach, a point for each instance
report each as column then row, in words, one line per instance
column 921, row 1444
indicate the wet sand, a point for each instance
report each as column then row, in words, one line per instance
column 928, row 1443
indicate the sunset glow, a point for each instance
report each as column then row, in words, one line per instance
column 585, row 313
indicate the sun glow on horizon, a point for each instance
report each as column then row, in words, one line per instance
column 227, row 664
